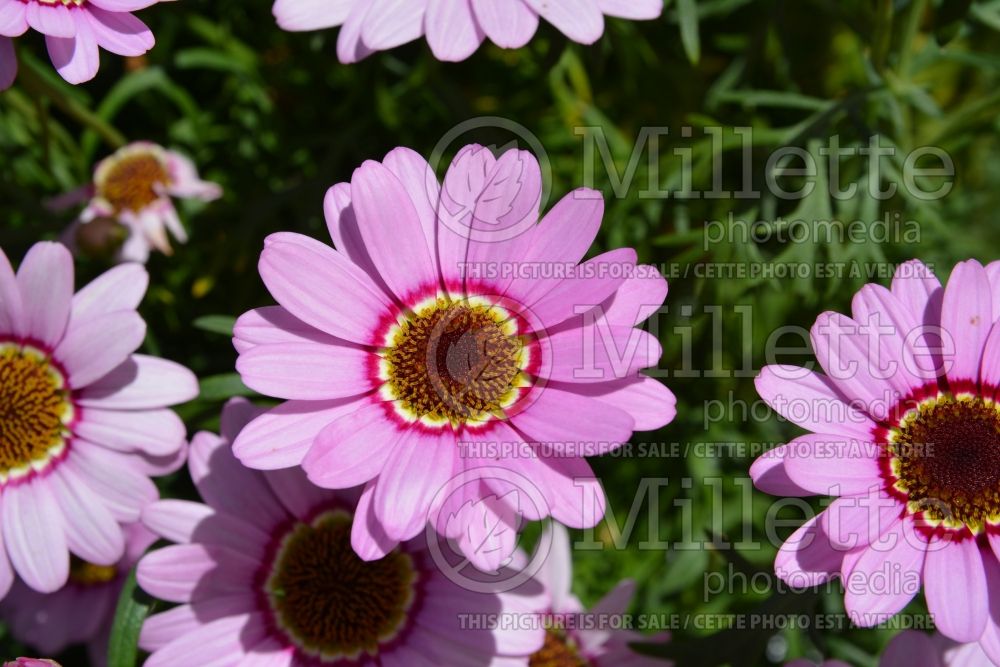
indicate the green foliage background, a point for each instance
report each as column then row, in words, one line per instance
column 275, row 119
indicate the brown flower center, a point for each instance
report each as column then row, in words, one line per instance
column 454, row 362
column 34, row 410
column 130, row 182
column 83, row 573
column 558, row 651
column 946, row 459
column 329, row 602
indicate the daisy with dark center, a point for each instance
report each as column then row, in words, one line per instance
column 266, row 575
column 906, row 431
column 133, row 188
column 454, row 28
column 79, row 613
column 578, row 637
column 74, row 30
column 448, row 335
column 83, row 420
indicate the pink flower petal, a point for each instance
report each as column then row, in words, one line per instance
column 910, row 648
column 353, row 449
column 807, row 558
column 857, row 521
column 299, row 496
column 186, row 522
column 162, row 628
column 34, row 536
column 13, row 20
column 8, row 71
column 894, row 327
column 307, row 371
column 639, row 10
column 368, row 537
column 833, row 465
column 350, row 48
column 389, row 223
column 214, row 644
column 274, row 324
column 599, row 353
column 91, row 531
column 153, row 432
column 421, row 185
column 11, row 306
column 414, row 476
column 123, row 5
column 581, row 425
column 589, row 285
column 120, row 288
column 94, row 348
column 580, row 20
column 769, row 475
column 121, row 33
column 75, row 58
column 509, row 26
column 989, row 372
column 958, row 614
column 885, row 577
column 452, row 31
column 321, row 287
column 915, row 285
column 296, row 15
column 967, row 316
column 577, row 497
column 812, row 401
column 53, row 20
column 390, row 23
column 122, row 487
column 186, row 572
column 45, row 279
column 141, row 383
column 646, row 399
column 639, row 297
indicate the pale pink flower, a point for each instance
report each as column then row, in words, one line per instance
column 74, row 30
column 578, row 636
column 79, row 613
column 905, row 431
column 265, row 574
column 447, row 335
column 454, row 28
column 84, row 420
column 910, row 648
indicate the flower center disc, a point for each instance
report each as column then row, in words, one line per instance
column 35, row 410
column 558, row 651
column 455, row 362
column 129, row 183
column 330, row 603
column 87, row 574
column 946, row 458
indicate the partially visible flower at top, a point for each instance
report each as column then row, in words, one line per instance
column 79, row 613
column 73, row 29
column 581, row 637
column 129, row 202
column 910, row 648
column 454, row 28
column 83, row 419
column 31, row 662
column 265, row 575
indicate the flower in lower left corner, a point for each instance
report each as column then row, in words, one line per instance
column 83, row 419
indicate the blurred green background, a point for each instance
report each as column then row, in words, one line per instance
column 275, row 119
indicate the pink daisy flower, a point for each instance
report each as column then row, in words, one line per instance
column 266, row 575
column 905, row 431
column 82, row 419
column 454, row 28
column 82, row 611
column 73, row 29
column 133, row 188
column 910, row 648
column 586, row 638
column 445, row 333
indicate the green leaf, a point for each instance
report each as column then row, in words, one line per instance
column 219, row 324
column 221, row 387
column 133, row 607
column 687, row 17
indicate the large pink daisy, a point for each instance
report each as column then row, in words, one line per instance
column 454, row 28
column 906, row 432
column 133, row 188
column 79, row 613
column 266, row 576
column 73, row 29
column 83, row 421
column 580, row 637
column 447, row 334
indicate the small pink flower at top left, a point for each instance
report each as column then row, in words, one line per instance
column 75, row 31
column 129, row 209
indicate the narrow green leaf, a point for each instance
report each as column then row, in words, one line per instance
column 687, row 17
column 219, row 324
column 133, row 607
column 222, row 387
